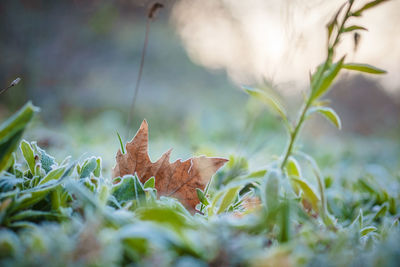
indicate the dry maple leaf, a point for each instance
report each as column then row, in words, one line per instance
column 178, row 179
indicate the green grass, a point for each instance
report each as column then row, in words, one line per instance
column 338, row 207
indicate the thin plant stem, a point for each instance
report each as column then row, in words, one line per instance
column 293, row 134
column 139, row 78
column 151, row 15
column 331, row 50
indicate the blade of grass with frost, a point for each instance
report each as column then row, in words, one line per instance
column 381, row 212
column 120, row 143
column 367, row 230
column 268, row 100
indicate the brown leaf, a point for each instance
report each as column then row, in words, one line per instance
column 178, row 179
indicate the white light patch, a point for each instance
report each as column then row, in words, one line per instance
column 282, row 41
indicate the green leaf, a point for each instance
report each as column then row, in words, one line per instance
column 164, row 215
column 327, row 79
column 367, row 6
column 7, row 149
column 329, row 114
column 366, row 186
column 316, row 75
column 11, row 132
column 354, row 28
column 32, row 196
column 53, row 175
column 367, row 230
column 136, row 238
column 214, row 202
column 150, row 183
column 17, row 121
column 8, row 183
column 88, row 167
column 268, row 100
column 30, row 214
column 363, row 68
column 293, row 167
column 293, row 170
column 97, row 171
column 129, row 188
column 47, row 161
column 257, row 174
column 23, row 224
column 55, row 198
column 202, row 197
column 309, row 193
column 284, row 210
column 29, row 156
column 322, row 103
column 229, row 196
column 82, row 193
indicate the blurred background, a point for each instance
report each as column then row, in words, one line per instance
column 79, row 61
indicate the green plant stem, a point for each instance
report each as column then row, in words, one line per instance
column 294, row 133
column 310, row 100
column 340, row 31
column 303, row 113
